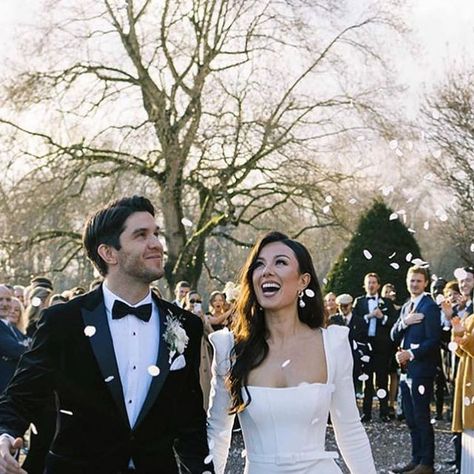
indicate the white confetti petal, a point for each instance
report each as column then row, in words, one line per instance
column 354, row 345
column 33, row 429
column 109, row 378
column 419, row 262
column 395, row 265
column 381, row 393
column 211, row 444
column 329, row 199
column 365, row 358
column 393, row 144
column 435, row 114
column 243, row 454
column 186, row 222
column 208, row 459
column 66, row 412
column 393, row 216
column 443, row 217
column 414, row 346
column 412, row 231
column 436, row 154
column 471, row 248
column 467, row 401
column 367, row 254
column 421, row 389
column 36, row 302
column 426, row 225
column 452, row 346
column 409, row 257
column 393, row 255
column 285, row 363
column 314, row 421
column 460, row 274
column 398, row 152
column 89, row 331
column 326, row 209
column 153, row 370
column 363, row 377
column 352, row 200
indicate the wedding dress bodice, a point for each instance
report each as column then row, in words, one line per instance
column 284, row 429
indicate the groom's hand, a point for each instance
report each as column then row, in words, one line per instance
column 8, row 447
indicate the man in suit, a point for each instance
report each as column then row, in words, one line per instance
column 357, row 339
column 123, row 364
column 11, row 340
column 376, row 315
column 418, row 333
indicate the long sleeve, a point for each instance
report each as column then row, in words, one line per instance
column 219, row 430
column 350, row 434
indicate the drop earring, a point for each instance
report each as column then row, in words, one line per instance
column 301, row 302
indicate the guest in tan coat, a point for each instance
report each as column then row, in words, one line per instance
column 463, row 410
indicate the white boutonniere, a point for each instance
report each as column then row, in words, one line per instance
column 175, row 336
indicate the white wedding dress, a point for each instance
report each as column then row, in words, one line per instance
column 284, row 429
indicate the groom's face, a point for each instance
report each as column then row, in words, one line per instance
column 141, row 252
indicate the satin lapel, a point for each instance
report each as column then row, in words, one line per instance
column 103, row 348
column 162, row 363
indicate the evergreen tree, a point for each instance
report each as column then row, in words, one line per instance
column 381, row 244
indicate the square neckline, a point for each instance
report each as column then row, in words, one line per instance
column 328, row 382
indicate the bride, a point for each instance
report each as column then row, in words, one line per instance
column 282, row 373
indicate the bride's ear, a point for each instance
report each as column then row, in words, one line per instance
column 305, row 280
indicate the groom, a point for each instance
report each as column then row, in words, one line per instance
column 122, row 363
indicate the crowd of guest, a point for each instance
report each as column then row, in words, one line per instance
column 405, row 355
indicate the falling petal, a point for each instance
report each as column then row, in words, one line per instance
column 33, row 429
column 399, row 152
column 186, row 222
column 208, row 459
column 314, row 421
column 460, row 274
column 363, row 377
column 435, row 114
column 109, row 378
column 468, row 384
column 153, row 370
column 471, row 248
column 326, row 209
column 66, row 412
column 211, row 444
column 433, row 421
column 452, row 346
column 436, row 154
column 325, row 281
column 443, row 217
column 426, row 225
column 393, row 255
column 354, row 345
column 412, row 231
column 395, row 265
column 381, row 393
column 352, row 201
column 365, row 358
column 414, row 346
column 367, row 254
column 419, row 262
column 393, row 144
column 329, row 199
column 421, row 389
column 393, row 216
column 36, row 302
column 446, row 328
column 409, row 257
column 410, row 199
column 285, row 363
column 89, row 331
column 467, row 401
column 243, row 454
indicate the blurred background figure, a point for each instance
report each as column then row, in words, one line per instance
column 39, row 299
column 182, row 288
column 330, row 305
column 19, row 293
column 193, row 303
column 218, row 310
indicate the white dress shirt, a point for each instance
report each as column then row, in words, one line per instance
column 136, row 344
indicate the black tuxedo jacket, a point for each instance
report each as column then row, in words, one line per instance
column 381, row 340
column 11, row 350
column 93, row 433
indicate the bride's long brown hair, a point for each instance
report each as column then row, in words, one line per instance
column 250, row 332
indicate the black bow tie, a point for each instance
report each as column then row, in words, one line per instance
column 121, row 309
column 371, row 297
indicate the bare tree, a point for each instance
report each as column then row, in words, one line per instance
column 449, row 114
column 225, row 110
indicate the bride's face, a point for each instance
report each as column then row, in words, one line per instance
column 276, row 277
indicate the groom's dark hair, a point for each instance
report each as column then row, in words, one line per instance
column 108, row 223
